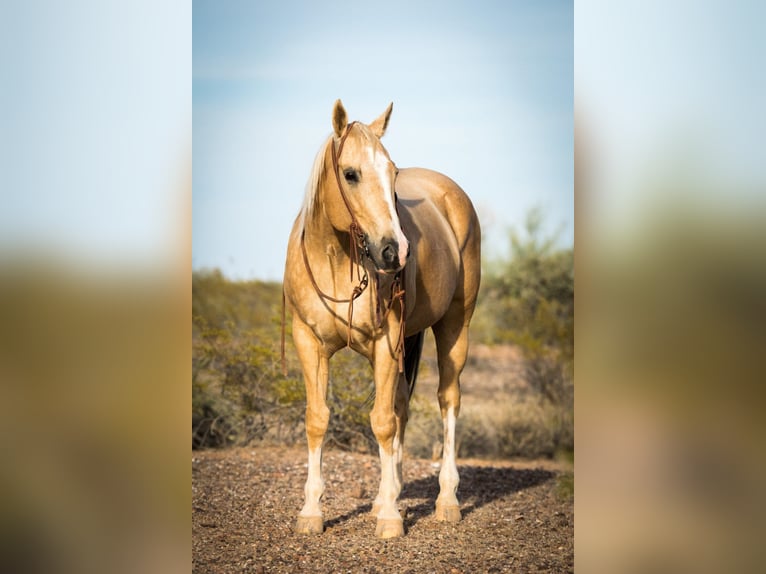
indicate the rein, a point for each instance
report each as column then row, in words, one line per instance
column 358, row 250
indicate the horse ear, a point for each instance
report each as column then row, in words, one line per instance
column 379, row 126
column 339, row 118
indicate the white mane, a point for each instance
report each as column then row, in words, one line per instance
column 312, row 185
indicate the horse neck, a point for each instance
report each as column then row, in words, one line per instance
column 322, row 239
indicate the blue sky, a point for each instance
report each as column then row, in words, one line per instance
column 670, row 96
column 482, row 91
column 95, row 131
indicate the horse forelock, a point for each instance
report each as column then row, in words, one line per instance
column 309, row 206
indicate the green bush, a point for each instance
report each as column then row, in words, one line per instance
column 349, row 398
column 528, row 301
column 238, row 389
column 239, row 394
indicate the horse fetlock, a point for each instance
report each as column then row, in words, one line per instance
column 313, row 491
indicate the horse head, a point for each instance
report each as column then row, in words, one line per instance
column 359, row 191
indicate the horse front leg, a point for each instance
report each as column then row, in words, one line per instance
column 315, row 365
column 387, row 420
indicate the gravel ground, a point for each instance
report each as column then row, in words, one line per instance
column 245, row 501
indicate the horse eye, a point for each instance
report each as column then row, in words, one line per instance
column 351, row 175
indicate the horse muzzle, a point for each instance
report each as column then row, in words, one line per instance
column 390, row 255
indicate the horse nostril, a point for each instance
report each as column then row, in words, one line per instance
column 390, row 253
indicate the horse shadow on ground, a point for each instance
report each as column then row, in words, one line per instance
column 479, row 486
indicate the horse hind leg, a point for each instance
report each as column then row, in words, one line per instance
column 451, row 334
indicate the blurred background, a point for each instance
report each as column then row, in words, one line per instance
column 95, row 245
column 96, row 278
column 483, row 93
column 670, row 182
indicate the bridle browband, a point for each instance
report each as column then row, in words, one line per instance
column 358, row 250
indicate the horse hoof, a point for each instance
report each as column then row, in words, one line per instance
column 309, row 525
column 448, row 513
column 389, row 528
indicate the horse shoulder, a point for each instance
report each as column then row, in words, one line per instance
column 447, row 196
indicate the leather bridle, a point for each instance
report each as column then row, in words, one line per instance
column 358, row 239
column 358, row 250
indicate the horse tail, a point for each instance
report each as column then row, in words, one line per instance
column 413, row 348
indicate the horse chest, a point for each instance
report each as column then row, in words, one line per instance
column 329, row 320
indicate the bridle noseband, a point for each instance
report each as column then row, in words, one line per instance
column 358, row 250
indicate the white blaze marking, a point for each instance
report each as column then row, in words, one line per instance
column 381, row 167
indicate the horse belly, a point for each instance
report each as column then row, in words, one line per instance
column 438, row 269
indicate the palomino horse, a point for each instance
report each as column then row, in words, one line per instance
column 376, row 256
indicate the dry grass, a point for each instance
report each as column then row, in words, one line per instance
column 501, row 415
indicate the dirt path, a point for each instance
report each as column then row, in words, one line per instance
column 244, row 504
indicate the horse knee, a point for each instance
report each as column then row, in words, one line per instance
column 317, row 419
column 384, row 428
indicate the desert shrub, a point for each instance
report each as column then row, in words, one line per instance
column 423, row 438
column 238, row 389
column 349, row 399
column 239, row 393
column 530, row 293
column 214, row 417
column 235, row 305
column 515, row 429
column 528, row 300
column 525, row 428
